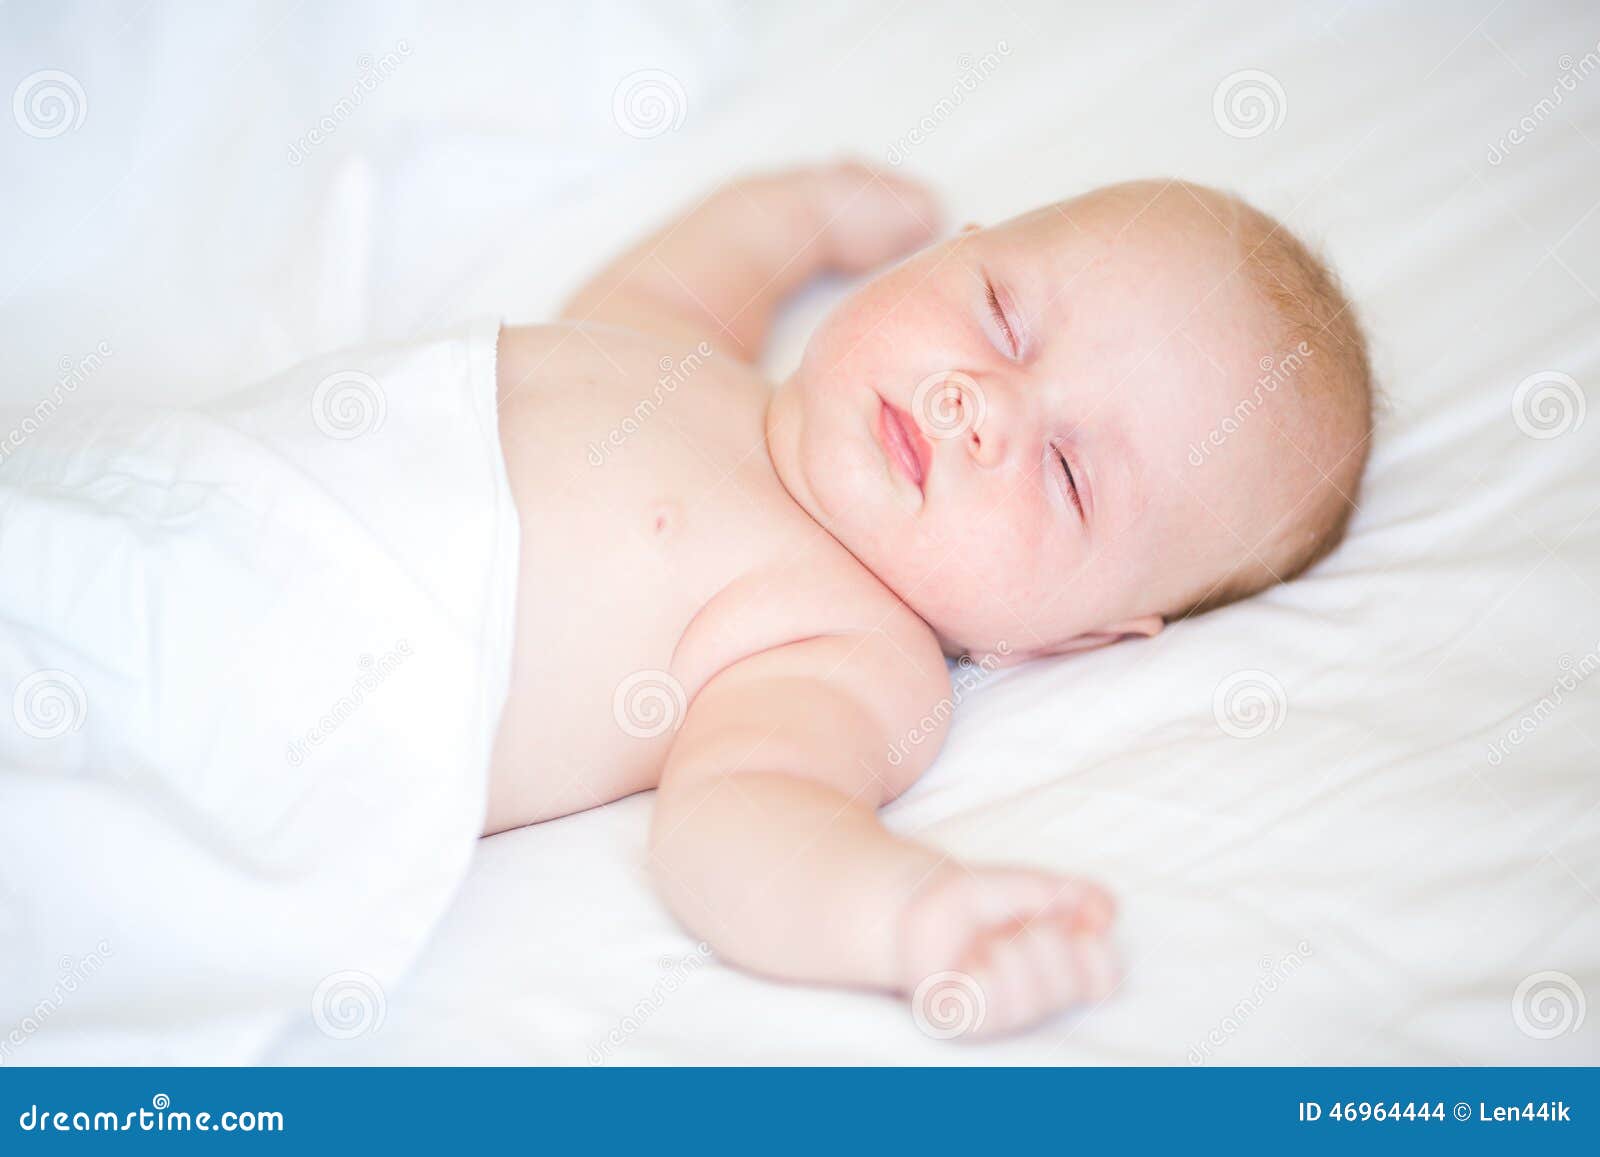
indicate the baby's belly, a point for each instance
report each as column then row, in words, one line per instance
column 593, row 704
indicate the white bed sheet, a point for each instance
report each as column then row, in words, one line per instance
column 1419, row 883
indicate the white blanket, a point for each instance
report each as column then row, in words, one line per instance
column 255, row 659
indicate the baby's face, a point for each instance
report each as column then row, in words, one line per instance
column 1002, row 428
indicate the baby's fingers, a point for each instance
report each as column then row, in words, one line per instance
column 871, row 216
column 1026, row 974
column 1006, row 894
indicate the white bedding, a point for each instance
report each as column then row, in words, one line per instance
column 1371, row 878
column 255, row 653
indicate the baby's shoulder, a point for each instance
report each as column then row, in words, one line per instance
column 576, row 349
column 813, row 589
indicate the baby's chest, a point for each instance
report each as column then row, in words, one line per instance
column 639, row 507
column 638, row 584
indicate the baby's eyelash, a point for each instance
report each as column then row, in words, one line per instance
column 1072, row 485
column 1000, row 316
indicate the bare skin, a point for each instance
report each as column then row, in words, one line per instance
column 768, row 571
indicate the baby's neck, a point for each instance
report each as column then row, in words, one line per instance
column 782, row 428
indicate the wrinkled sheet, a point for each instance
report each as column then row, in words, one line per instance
column 255, row 656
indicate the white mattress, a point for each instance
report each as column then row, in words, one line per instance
column 1407, row 890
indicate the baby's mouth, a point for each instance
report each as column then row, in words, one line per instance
column 904, row 444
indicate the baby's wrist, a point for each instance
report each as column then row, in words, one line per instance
column 911, row 933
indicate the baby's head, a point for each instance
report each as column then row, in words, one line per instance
column 1091, row 419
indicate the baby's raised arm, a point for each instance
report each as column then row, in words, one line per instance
column 766, row 842
column 718, row 272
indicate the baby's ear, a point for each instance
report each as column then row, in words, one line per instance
column 1143, row 627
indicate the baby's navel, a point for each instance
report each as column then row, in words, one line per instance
column 665, row 518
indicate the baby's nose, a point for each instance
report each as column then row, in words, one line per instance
column 986, row 442
column 952, row 405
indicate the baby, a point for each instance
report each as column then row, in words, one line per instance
column 1027, row 440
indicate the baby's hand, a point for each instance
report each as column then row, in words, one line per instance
column 846, row 216
column 991, row 950
column 870, row 216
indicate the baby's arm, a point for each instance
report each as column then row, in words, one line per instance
column 766, row 842
column 718, row 272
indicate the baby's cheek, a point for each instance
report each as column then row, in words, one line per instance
column 992, row 559
column 855, row 330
